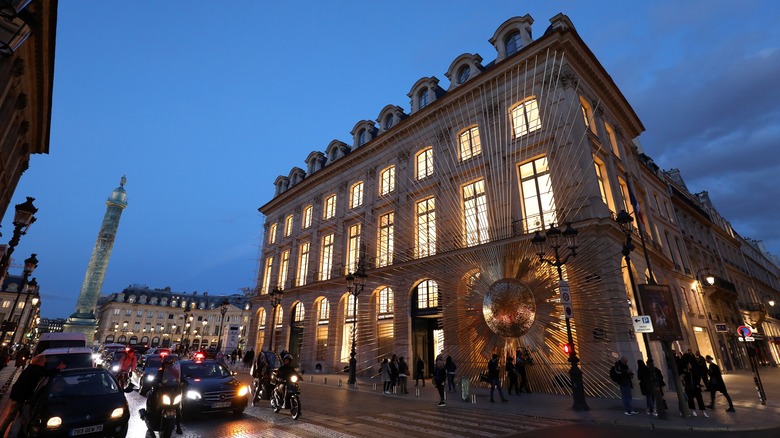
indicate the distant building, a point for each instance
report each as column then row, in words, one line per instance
column 51, row 325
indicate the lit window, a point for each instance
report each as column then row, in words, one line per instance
column 356, row 195
column 330, row 207
column 306, row 218
column 537, row 194
column 269, row 264
column 326, row 261
column 353, row 248
column 279, row 317
column 425, row 238
column 387, row 181
column 349, row 326
column 7, row 304
column 303, row 263
column 427, row 295
column 612, row 139
column 324, row 310
column 385, row 244
column 513, row 43
column 525, row 118
column 422, row 98
column 470, row 145
column 603, row 185
column 386, row 301
column 624, row 193
column 288, row 224
column 272, row 234
column 425, row 163
column 475, row 213
column 285, row 265
column 587, row 114
column 298, row 313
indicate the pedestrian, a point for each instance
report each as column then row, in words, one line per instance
column 717, row 385
column 702, row 369
column 692, row 384
column 450, row 367
column 21, row 357
column 249, row 356
column 624, row 379
column 5, row 354
column 385, row 374
column 646, row 386
column 23, row 389
column 439, row 380
column 523, row 359
column 403, row 373
column 494, row 378
column 394, row 373
column 419, row 372
column 233, row 356
column 511, row 376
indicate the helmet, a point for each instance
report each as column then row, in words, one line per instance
column 287, row 357
column 168, row 360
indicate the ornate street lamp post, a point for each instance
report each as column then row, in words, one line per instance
column 275, row 295
column 23, row 218
column 29, row 266
column 355, row 285
column 223, row 310
column 553, row 238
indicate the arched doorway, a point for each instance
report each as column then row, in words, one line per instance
column 427, row 335
column 296, row 333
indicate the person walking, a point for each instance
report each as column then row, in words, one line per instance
column 493, row 375
column 21, row 357
column 692, row 384
column 249, row 356
column 450, row 366
column 403, row 373
column 624, row 378
column 717, row 385
column 646, row 386
column 523, row 359
column 511, row 376
column 419, row 372
column 385, row 375
column 439, row 380
column 23, row 389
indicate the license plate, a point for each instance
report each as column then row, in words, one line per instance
column 85, row 430
column 218, row 405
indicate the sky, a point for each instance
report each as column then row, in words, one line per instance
column 202, row 105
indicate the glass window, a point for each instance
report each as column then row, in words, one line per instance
column 269, row 264
column 425, row 163
column 388, row 121
column 422, row 98
column 425, row 237
column 469, row 143
column 525, row 118
column 356, row 195
column 386, row 301
column 385, row 244
column 298, row 313
column 362, row 137
column 326, row 260
column 324, row 310
column 513, row 43
column 475, row 213
column 283, row 268
column 387, row 181
column 306, row 218
column 427, row 294
column 463, row 74
column 353, row 248
column 603, row 183
column 537, row 194
column 288, row 225
column 272, row 234
column 587, row 114
column 612, row 139
column 330, row 207
column 303, row 263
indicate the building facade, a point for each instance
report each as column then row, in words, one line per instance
column 20, row 304
column 417, row 239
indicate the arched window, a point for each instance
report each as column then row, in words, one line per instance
column 513, row 43
column 388, row 121
column 362, row 137
column 298, row 313
column 384, row 325
column 323, row 316
column 587, row 114
column 385, row 304
column 427, row 294
column 356, row 195
column 422, row 99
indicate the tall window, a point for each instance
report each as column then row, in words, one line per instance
column 362, row 137
column 283, row 268
column 603, row 183
column 385, row 244
column 303, row 263
column 288, row 224
column 587, row 114
column 426, row 228
column 298, row 312
column 269, row 264
column 356, row 195
column 386, row 302
column 537, row 194
column 427, row 294
column 387, row 181
column 422, row 98
column 612, row 139
column 306, row 217
column 272, row 234
column 513, row 43
column 330, row 207
column 425, row 163
column 324, row 313
column 525, row 118
column 353, row 248
column 475, row 213
column 350, row 325
column 470, row 145
column 322, row 329
column 326, row 261
column 624, row 193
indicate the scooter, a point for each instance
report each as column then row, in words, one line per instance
column 287, row 395
column 163, row 420
column 262, row 389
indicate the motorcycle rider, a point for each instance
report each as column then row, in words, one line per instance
column 128, row 362
column 283, row 374
column 168, row 377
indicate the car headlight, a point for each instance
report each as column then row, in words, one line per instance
column 193, row 395
column 150, row 378
column 115, row 368
column 244, row 390
column 294, row 378
column 54, row 422
column 117, row 413
column 177, row 399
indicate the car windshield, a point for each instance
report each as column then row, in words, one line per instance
column 77, row 360
column 153, row 362
column 204, row 370
column 82, row 385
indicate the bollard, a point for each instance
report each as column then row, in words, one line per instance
column 395, row 388
column 311, row 378
column 356, row 384
column 324, row 380
column 474, row 398
column 374, row 387
column 339, row 385
column 416, row 392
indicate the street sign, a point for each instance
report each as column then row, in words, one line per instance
column 747, row 339
column 642, row 324
column 563, row 287
column 745, row 331
column 721, row 328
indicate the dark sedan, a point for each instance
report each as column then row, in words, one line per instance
column 146, row 371
column 76, row 402
column 208, row 386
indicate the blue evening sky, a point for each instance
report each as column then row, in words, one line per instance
column 203, row 104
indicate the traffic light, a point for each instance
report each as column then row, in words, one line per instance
column 566, row 348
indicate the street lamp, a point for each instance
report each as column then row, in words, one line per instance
column 23, row 218
column 275, row 295
column 223, row 310
column 553, row 235
column 355, row 285
column 29, row 266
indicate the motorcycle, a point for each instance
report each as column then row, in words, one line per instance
column 163, row 420
column 262, row 389
column 287, row 395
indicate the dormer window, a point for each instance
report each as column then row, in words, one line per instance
column 388, row 121
column 463, row 74
column 422, row 98
column 513, row 43
column 362, row 137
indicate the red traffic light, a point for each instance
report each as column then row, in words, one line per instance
column 566, row 348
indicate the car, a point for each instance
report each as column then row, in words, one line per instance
column 76, row 402
column 209, row 386
column 144, row 374
column 73, row 357
column 158, row 350
column 59, row 340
